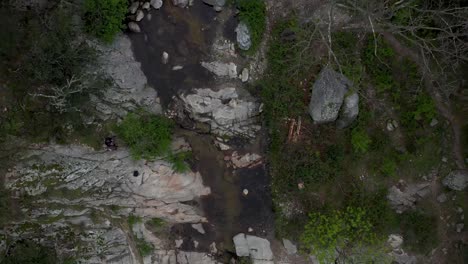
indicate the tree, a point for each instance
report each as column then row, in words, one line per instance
column 103, row 18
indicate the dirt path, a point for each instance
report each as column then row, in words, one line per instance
column 443, row 107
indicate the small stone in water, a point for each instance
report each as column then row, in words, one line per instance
column 245, row 192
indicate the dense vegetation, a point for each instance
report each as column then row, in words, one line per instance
column 148, row 136
column 321, row 175
column 253, row 13
column 43, row 65
column 104, row 18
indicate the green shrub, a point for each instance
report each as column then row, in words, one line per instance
column 178, row 161
column 148, row 136
column 337, row 229
column 103, row 18
column 253, row 13
column 389, row 167
column 360, row 140
column 144, row 248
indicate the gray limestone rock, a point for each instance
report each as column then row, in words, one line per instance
column 156, row 4
column 228, row 110
column 243, row 36
column 349, row 111
column 327, row 95
column 404, row 198
column 134, row 27
column 291, row 249
column 180, row 3
column 257, row 248
column 221, row 69
column 456, row 180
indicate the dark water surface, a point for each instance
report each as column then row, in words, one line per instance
column 186, row 35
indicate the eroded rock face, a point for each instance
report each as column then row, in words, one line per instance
column 221, row 69
column 328, row 93
column 75, row 186
column 225, row 110
column 457, row 180
column 129, row 89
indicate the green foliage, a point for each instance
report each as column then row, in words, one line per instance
column 148, row 136
column 337, row 229
column 253, row 13
column 178, row 161
column 360, row 140
column 5, row 216
column 419, row 230
column 344, row 47
column 103, row 18
column 157, row 223
column 280, row 95
column 133, row 219
column 144, row 248
column 28, row 252
column 389, row 167
column 375, row 55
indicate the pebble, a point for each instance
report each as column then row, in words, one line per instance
column 245, row 192
column 165, row 58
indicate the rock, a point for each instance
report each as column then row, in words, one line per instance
column 395, row 241
column 139, row 15
column 178, row 242
column 349, row 111
column 216, row 4
column 243, row 36
column 146, row 6
column 291, row 249
column 156, row 4
column 148, row 17
column 250, row 230
column 213, row 249
column 257, row 248
column 245, row 160
column 199, row 228
column 460, row 227
column 434, row 122
column 192, row 258
column 245, row 192
column 222, row 146
column 134, row 27
column 442, row 198
column 456, row 180
column 129, row 88
column 221, row 69
column 180, row 3
column 404, row 198
column 133, row 8
column 165, row 58
column 245, row 75
column 177, row 68
column 327, row 95
column 392, row 125
column 228, row 111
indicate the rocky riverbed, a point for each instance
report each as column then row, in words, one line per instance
column 179, row 59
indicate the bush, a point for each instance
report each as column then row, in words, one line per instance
column 148, row 136
column 345, row 230
column 253, row 13
column 103, row 18
column 360, row 140
column 178, row 161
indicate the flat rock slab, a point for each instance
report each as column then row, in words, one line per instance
column 257, row 248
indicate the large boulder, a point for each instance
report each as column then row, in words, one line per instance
column 243, row 36
column 404, row 197
column 456, row 180
column 328, row 93
column 228, row 111
column 349, row 111
column 257, row 248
